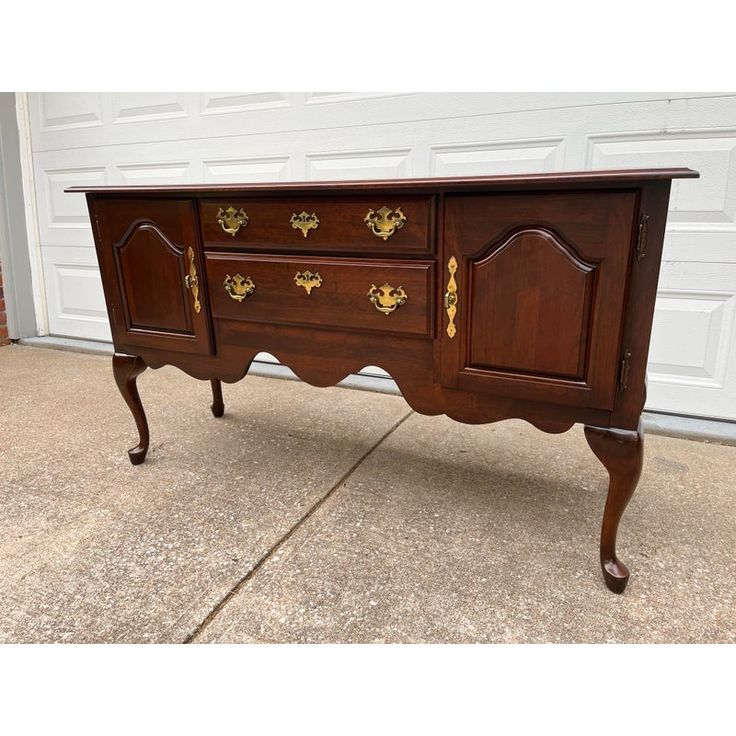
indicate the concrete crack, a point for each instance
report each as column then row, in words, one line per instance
column 310, row 511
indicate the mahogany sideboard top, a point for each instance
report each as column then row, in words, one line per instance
column 485, row 298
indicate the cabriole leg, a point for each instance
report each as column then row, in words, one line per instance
column 126, row 369
column 218, row 407
column 621, row 452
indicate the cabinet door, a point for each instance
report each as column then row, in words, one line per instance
column 152, row 273
column 541, row 280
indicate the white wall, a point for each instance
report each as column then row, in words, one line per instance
column 127, row 138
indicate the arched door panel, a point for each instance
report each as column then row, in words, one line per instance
column 541, row 285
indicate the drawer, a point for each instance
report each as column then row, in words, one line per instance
column 397, row 225
column 322, row 292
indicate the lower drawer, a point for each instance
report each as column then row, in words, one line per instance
column 385, row 296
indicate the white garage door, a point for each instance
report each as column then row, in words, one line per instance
column 241, row 137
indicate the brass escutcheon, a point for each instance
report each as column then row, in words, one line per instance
column 308, row 280
column 192, row 280
column 239, row 287
column 385, row 222
column 386, row 299
column 231, row 220
column 304, row 222
column 451, row 298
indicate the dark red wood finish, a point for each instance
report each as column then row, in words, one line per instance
column 126, row 369
column 341, row 300
column 340, row 230
column 556, row 278
column 142, row 248
column 218, row 406
column 622, row 453
column 542, row 281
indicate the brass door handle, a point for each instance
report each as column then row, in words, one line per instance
column 192, row 280
column 385, row 222
column 451, row 297
column 386, row 299
column 238, row 287
column 231, row 220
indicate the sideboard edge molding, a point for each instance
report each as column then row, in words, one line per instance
column 564, row 179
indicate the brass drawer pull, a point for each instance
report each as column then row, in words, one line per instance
column 451, row 298
column 304, row 222
column 239, row 287
column 192, row 280
column 386, row 299
column 385, row 222
column 231, row 220
column 308, row 280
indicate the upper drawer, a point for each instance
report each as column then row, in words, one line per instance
column 394, row 225
column 384, row 296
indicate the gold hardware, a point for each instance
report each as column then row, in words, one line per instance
column 192, row 280
column 625, row 369
column 231, row 220
column 308, row 280
column 386, row 299
column 304, row 222
column 385, row 222
column 451, row 298
column 239, row 287
column 641, row 238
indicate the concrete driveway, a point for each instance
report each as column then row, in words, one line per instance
column 334, row 515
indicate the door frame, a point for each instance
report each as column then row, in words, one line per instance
column 30, row 206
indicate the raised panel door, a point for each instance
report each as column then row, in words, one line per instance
column 541, row 282
column 152, row 273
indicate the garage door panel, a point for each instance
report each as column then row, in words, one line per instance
column 703, row 323
column 138, row 107
column 64, row 220
column 65, row 111
column 254, row 169
column 711, row 198
column 172, row 172
column 366, row 164
column 692, row 360
column 76, row 303
column 525, row 156
column 697, row 245
column 231, row 103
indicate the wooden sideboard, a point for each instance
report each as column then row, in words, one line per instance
column 485, row 298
